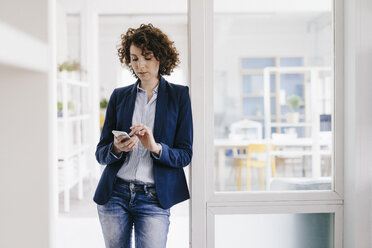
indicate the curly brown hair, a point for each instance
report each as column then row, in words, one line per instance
column 149, row 38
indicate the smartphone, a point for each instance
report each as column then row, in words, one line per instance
column 120, row 133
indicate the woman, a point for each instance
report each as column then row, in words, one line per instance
column 144, row 175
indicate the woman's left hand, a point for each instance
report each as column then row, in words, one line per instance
column 146, row 137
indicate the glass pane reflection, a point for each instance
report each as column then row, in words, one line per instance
column 294, row 48
column 314, row 230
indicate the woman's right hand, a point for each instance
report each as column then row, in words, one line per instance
column 125, row 146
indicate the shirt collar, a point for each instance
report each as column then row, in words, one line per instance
column 154, row 91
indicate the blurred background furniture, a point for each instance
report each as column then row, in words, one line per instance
column 309, row 127
column 302, row 147
column 323, row 183
column 249, row 157
column 74, row 123
column 245, row 129
column 294, row 161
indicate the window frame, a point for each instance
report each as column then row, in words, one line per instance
column 205, row 202
column 335, row 209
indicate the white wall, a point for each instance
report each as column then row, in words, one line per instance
column 358, row 124
column 26, row 150
column 127, row 6
column 28, row 16
column 24, row 180
column 111, row 27
column 321, row 43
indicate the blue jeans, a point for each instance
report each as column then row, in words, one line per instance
column 133, row 204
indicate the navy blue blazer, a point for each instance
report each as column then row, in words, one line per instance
column 173, row 129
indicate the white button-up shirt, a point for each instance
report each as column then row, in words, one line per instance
column 138, row 165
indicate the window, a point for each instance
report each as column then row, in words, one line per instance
column 269, row 60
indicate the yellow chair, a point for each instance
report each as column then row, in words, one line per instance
column 101, row 120
column 240, row 159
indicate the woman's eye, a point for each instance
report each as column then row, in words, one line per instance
column 134, row 59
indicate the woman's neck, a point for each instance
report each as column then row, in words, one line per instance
column 149, row 85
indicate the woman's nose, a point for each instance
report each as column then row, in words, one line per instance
column 141, row 63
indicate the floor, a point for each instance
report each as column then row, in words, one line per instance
column 80, row 227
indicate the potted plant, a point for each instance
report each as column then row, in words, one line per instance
column 70, row 69
column 294, row 102
column 103, row 105
column 59, row 109
column 63, row 69
column 258, row 110
column 70, row 108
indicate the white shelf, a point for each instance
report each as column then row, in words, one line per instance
column 74, row 152
column 298, row 142
column 256, row 95
column 257, row 117
column 261, row 117
column 313, row 87
column 70, row 173
column 283, row 124
column 21, row 50
column 73, row 82
column 73, row 118
column 299, row 153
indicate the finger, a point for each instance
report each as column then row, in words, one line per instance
column 132, row 132
column 119, row 139
column 133, row 143
column 132, row 140
column 132, row 146
column 136, row 126
column 117, row 142
column 124, row 139
column 135, row 129
column 127, row 142
column 141, row 131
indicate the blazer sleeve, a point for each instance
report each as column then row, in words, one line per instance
column 180, row 154
column 104, row 155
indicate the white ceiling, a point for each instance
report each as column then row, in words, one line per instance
column 180, row 6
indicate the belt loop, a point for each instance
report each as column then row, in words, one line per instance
column 145, row 189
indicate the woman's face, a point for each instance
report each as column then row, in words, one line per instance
column 144, row 65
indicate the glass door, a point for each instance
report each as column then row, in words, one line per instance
column 268, row 155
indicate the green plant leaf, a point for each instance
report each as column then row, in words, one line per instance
column 103, row 103
column 294, row 102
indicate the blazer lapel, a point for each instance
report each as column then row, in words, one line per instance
column 129, row 108
column 161, row 109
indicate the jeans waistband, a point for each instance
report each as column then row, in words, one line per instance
column 138, row 186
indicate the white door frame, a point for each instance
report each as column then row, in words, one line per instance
column 205, row 203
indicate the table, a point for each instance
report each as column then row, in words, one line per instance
column 222, row 144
